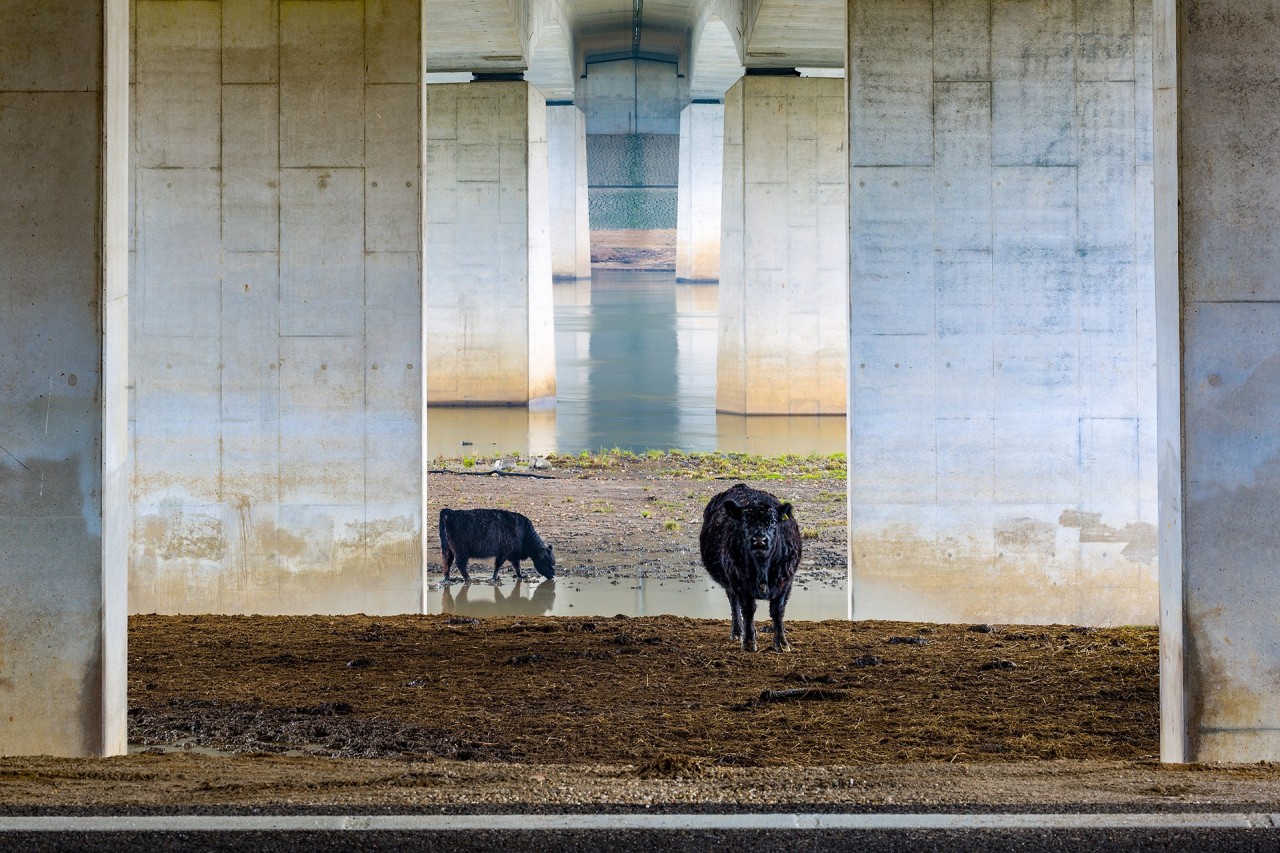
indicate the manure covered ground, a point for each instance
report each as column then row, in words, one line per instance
column 662, row 693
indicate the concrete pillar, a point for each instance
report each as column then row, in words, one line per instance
column 277, row 333
column 1002, row 423
column 567, row 173
column 63, row 349
column 490, row 326
column 1220, row 645
column 783, row 308
column 699, row 194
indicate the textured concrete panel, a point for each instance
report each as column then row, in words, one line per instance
column 321, row 83
column 51, row 46
column 251, row 168
column 177, row 270
column 392, row 197
column 250, row 41
column 392, row 33
column 321, row 252
column 891, row 82
column 179, row 67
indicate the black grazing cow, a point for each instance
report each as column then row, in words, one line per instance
column 505, row 536
column 751, row 546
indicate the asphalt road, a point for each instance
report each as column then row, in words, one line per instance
column 1203, row 831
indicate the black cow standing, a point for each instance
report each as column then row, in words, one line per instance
column 506, row 536
column 751, row 546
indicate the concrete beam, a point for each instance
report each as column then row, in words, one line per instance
column 63, row 351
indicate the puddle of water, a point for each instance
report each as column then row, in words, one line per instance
column 603, row 596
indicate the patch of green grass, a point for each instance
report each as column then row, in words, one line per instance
column 468, row 462
column 809, row 532
column 601, row 506
column 644, row 513
column 672, row 525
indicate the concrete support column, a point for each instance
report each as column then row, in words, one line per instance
column 63, row 350
column 699, row 194
column 783, row 306
column 276, row 325
column 1002, row 421
column 567, row 173
column 1220, row 661
column 490, row 320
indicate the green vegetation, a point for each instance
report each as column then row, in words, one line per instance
column 707, row 466
column 672, row 525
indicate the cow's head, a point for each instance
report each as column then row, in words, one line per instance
column 544, row 560
column 759, row 525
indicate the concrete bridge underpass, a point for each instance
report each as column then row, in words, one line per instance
column 1026, row 245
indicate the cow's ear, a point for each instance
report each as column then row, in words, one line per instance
column 735, row 511
column 785, row 513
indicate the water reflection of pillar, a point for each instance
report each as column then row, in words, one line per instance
column 633, row 361
column 696, row 307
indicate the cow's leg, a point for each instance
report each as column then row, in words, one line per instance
column 748, row 623
column 735, row 619
column 776, row 608
column 516, row 563
column 446, row 557
column 497, row 564
column 462, row 567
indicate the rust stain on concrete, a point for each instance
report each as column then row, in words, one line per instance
column 1139, row 537
column 1010, row 576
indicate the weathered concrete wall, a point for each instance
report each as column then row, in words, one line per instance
column 490, row 333
column 783, row 343
column 1002, row 364
column 276, row 331
column 567, row 174
column 62, row 623
column 1227, row 113
column 700, row 188
column 632, row 96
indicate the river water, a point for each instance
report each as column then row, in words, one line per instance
column 636, row 369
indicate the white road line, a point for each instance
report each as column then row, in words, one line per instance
column 544, row 822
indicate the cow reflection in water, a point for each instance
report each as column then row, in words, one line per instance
column 513, row 604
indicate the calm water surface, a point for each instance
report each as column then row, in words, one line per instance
column 636, row 369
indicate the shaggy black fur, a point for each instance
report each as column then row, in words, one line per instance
column 506, row 536
column 750, row 545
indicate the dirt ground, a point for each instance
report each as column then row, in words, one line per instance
column 541, row 712
column 634, row 250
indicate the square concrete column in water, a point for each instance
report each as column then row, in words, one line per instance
column 567, row 175
column 63, row 354
column 490, row 327
column 783, row 339
column 699, row 194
